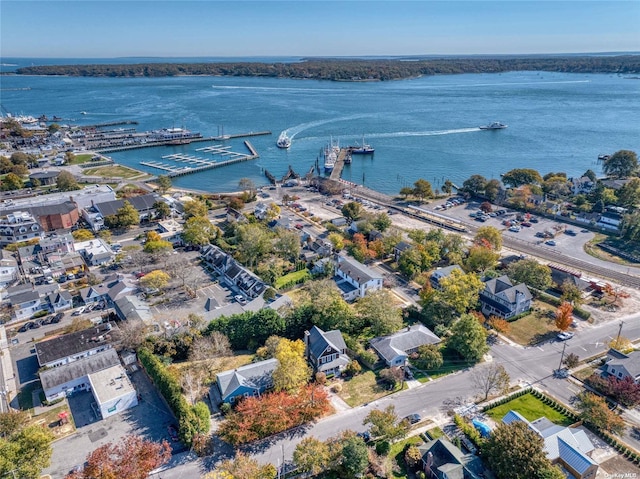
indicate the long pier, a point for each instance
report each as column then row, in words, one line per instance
column 203, row 164
column 111, row 123
column 151, row 144
column 339, row 165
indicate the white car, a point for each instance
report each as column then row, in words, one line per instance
column 515, row 229
column 565, row 335
column 240, row 299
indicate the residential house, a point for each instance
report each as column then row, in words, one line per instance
column 19, row 226
column 235, row 216
column 59, row 301
column 8, row 269
column 621, row 365
column 354, row 279
column 561, row 275
column 503, row 299
column 132, row 308
column 326, row 352
column 441, row 273
column 232, row 272
column 443, row 460
column 612, row 218
column 570, row 448
column 25, row 305
column 400, row 248
column 112, row 390
column 143, row 205
column 260, row 211
column 71, row 347
column 250, row 380
column 396, row 348
column 170, row 230
column 584, row 184
column 95, row 252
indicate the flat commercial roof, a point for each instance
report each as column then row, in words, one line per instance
column 110, row 384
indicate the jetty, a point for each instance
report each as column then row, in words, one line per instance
column 111, row 123
column 189, row 164
column 336, row 174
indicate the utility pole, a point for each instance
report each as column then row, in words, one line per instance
column 619, row 331
column 562, row 355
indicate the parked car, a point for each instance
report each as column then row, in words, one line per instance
column 570, row 232
column 366, row 436
column 514, row 229
column 240, row 299
column 413, row 418
column 564, row 335
column 550, row 243
column 57, row 318
column 79, row 311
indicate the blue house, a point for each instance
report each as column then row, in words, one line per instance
column 250, row 380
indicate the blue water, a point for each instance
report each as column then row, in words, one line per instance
column 420, row 128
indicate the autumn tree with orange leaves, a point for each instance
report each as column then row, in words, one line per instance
column 133, row 458
column 564, row 316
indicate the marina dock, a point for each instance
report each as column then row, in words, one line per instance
column 190, row 164
column 339, row 165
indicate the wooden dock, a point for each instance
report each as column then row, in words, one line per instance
column 336, row 174
column 199, row 164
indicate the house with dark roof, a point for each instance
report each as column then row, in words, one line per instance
column 568, row 447
column 71, row 347
column 232, row 272
column 395, row 349
column 621, row 365
column 56, row 216
column 69, row 378
column 354, row 279
column 561, row 275
column 400, row 248
column 45, row 178
column 326, row 352
column 143, row 205
column 503, row 299
column 441, row 273
column 443, row 460
column 250, row 380
column 60, row 301
column 19, row 226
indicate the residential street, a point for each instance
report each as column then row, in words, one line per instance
column 527, row 365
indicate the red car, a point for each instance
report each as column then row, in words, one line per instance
column 140, row 274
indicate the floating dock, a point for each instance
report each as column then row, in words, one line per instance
column 200, row 164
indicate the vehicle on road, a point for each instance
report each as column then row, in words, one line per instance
column 412, row 418
column 570, row 232
column 564, row 335
column 79, row 311
column 57, row 318
column 550, row 243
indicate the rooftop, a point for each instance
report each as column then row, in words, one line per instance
column 74, row 343
column 53, row 377
column 356, row 270
column 399, row 343
column 110, row 383
column 255, row 375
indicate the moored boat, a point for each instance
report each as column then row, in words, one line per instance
column 363, row 149
column 330, row 154
column 496, row 125
column 283, row 141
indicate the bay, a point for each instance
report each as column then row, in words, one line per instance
column 420, row 128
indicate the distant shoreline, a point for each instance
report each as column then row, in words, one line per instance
column 345, row 70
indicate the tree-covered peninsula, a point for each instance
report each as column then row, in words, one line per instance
column 353, row 69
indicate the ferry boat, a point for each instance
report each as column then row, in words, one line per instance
column 496, row 125
column 176, row 136
column 284, row 141
column 363, row 149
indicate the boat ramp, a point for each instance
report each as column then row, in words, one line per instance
column 189, row 164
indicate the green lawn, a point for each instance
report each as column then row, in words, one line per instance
column 435, row 433
column 451, row 364
column 531, row 408
column 80, row 159
column 292, row 278
column 395, row 453
column 113, row 171
column 534, row 328
column 362, row 389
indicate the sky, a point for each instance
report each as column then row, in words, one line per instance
column 232, row 28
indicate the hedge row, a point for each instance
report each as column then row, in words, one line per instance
column 555, row 405
column 623, row 449
column 547, row 298
column 469, row 430
column 501, row 401
column 192, row 420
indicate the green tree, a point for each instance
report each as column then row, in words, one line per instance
column 556, row 186
column 163, row 210
column 355, row 456
column 474, row 185
column 337, row 241
column 492, row 189
column 489, row 236
column 157, row 246
column 198, row 230
column 11, row 182
column 164, row 184
column 460, row 290
column 287, row 244
column 406, row 191
column 82, row 235
column 385, row 424
column 127, row 215
column 429, row 357
column 254, row 241
column 594, row 410
column 352, row 211
column 531, row 273
column 422, row 189
column 571, row 293
column 480, row 259
column 521, row 176
column 293, row 371
column 622, row 164
column 378, row 310
column 514, row 451
column 24, row 450
column 468, row 338
column 243, row 466
column 629, row 194
column 312, row 455
column 67, row 182
column 447, row 187
column 195, row 208
column 382, row 222
column 631, row 226
column 325, row 307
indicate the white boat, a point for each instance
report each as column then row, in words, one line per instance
column 363, row 149
column 330, row 154
column 283, row 141
column 496, row 125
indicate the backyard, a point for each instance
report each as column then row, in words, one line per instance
column 531, row 408
column 292, row 278
column 534, row 328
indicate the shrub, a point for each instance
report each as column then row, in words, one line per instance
column 336, row 388
column 321, row 378
column 383, row 447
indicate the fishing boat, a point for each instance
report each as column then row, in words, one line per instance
column 284, row 141
column 496, row 125
column 363, row 149
column 330, row 154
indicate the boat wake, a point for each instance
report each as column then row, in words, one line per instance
column 399, row 134
column 297, row 129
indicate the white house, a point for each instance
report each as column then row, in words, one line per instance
column 354, row 279
column 113, row 391
column 95, row 251
column 19, row 226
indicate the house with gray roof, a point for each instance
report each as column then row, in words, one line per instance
column 326, row 352
column 60, row 301
column 396, row 348
column 441, row 273
column 143, row 205
column 443, row 460
column 250, row 380
column 232, row 272
column 501, row 298
column 69, row 378
column 26, row 304
column 568, row 447
column 621, row 365
column 354, row 279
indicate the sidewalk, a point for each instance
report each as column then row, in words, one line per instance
column 7, row 376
